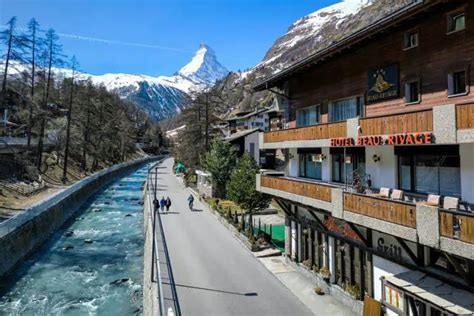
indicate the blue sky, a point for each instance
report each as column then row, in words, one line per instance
column 239, row 31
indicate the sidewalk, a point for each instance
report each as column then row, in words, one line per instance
column 298, row 284
column 303, row 288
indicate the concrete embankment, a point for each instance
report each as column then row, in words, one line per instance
column 23, row 234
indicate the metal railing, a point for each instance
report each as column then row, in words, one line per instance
column 156, row 275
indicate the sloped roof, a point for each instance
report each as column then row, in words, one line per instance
column 343, row 39
column 240, row 134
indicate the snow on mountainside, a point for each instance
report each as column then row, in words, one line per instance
column 161, row 97
column 323, row 28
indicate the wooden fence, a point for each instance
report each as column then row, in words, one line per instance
column 453, row 225
column 303, row 188
column 397, row 124
column 391, row 211
column 321, row 131
column 465, row 116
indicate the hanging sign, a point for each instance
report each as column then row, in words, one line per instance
column 383, row 83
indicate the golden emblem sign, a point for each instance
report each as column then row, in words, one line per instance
column 380, row 85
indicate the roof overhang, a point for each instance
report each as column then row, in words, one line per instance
column 381, row 25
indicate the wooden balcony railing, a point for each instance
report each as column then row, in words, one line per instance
column 321, row 131
column 465, row 116
column 303, row 188
column 391, row 211
column 396, row 124
column 457, row 226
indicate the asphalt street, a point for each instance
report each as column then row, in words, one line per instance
column 214, row 274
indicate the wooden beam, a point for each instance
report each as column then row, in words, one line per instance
column 358, row 233
column 459, row 269
column 408, row 251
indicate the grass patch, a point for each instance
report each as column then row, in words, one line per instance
column 222, row 206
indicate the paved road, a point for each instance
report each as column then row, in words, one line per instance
column 214, row 273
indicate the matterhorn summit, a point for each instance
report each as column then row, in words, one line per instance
column 163, row 96
column 204, row 68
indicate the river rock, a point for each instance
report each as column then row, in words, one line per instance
column 88, row 241
column 128, row 215
column 120, row 281
column 68, row 247
column 69, row 233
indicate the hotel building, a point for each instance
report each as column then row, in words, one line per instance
column 378, row 179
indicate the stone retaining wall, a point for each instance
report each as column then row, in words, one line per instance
column 38, row 223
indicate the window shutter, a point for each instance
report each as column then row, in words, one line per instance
column 407, row 92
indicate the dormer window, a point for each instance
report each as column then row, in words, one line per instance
column 410, row 39
column 456, row 22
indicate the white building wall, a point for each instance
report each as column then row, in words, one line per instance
column 384, row 172
column 253, row 138
column 466, row 151
column 383, row 267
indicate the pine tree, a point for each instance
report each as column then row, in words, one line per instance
column 242, row 186
column 220, row 161
column 53, row 58
column 34, row 44
column 73, row 66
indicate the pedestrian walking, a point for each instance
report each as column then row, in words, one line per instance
column 168, row 204
column 162, row 204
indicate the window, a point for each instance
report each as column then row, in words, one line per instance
column 342, row 110
column 310, row 167
column 457, row 83
column 307, row 116
column 252, row 150
column 410, row 40
column 430, row 173
column 412, row 92
column 456, row 22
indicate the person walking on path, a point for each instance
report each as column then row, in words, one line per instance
column 162, row 204
column 168, row 204
column 191, row 201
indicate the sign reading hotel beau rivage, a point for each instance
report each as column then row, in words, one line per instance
column 383, row 83
column 377, row 140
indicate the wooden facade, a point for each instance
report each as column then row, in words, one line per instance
column 396, row 212
column 465, row 223
column 322, row 131
column 437, row 54
column 421, row 121
column 465, row 116
column 303, row 188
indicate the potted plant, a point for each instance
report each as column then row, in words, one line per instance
column 307, row 263
column 353, row 291
column 325, row 273
column 318, row 291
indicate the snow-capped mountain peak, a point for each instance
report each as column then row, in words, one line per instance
column 204, row 68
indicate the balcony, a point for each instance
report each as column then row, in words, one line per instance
column 298, row 187
column 309, row 133
column 397, row 124
column 396, row 212
column 465, row 116
column 456, row 225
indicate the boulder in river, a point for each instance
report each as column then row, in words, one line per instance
column 69, row 233
column 68, row 247
column 120, row 281
column 88, row 241
column 128, row 215
column 107, row 202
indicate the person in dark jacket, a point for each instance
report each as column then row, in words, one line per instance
column 168, row 204
column 162, row 204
